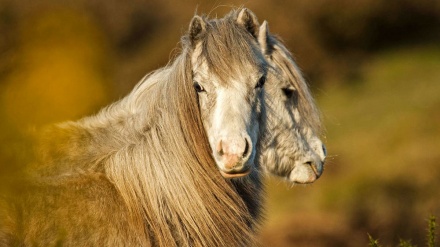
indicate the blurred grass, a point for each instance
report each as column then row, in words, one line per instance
column 430, row 241
column 383, row 133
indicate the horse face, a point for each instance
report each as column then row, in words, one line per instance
column 230, row 103
column 230, row 117
column 292, row 149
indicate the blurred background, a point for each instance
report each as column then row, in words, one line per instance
column 372, row 65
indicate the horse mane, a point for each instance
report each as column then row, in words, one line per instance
column 152, row 147
column 286, row 63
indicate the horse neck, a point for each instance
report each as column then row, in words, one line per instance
column 83, row 145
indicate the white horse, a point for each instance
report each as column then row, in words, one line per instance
column 293, row 149
column 145, row 170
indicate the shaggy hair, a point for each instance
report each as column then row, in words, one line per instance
column 229, row 48
column 139, row 173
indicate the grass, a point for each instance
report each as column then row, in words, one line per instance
column 373, row 242
column 431, row 236
column 431, row 232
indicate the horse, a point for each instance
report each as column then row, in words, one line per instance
column 150, row 169
column 292, row 150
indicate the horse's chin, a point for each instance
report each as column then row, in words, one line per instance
column 240, row 169
column 235, row 174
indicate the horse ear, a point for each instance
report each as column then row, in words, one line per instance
column 263, row 37
column 197, row 29
column 248, row 20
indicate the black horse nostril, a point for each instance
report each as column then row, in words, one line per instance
column 312, row 165
column 324, row 149
column 246, row 148
column 316, row 167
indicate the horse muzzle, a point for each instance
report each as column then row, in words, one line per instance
column 233, row 155
column 307, row 172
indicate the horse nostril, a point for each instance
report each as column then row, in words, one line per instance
column 220, row 148
column 246, row 148
column 324, row 149
column 316, row 167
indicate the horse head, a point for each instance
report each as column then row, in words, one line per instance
column 292, row 148
column 228, row 72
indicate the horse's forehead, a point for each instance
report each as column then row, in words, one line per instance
column 236, row 81
column 275, row 78
column 198, row 63
column 247, row 70
column 200, row 66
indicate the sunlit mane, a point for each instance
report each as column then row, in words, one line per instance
column 188, row 173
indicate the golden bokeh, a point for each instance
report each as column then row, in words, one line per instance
column 60, row 73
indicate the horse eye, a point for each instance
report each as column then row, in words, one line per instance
column 288, row 92
column 198, row 87
column 261, row 82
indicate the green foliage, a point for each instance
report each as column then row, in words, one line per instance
column 405, row 243
column 373, row 242
column 431, row 231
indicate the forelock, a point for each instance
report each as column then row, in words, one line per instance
column 228, row 49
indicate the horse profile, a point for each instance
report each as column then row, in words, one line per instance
column 145, row 170
column 293, row 149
